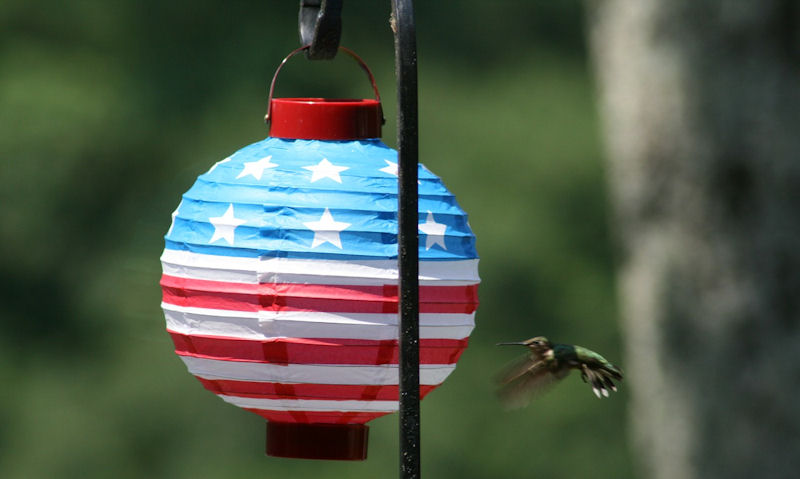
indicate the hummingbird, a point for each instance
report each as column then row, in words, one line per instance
column 546, row 363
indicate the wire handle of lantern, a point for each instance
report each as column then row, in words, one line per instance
column 357, row 58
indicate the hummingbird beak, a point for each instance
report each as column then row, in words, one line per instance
column 515, row 343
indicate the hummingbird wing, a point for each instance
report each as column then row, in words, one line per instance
column 523, row 379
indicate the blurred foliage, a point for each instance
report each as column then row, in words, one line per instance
column 109, row 110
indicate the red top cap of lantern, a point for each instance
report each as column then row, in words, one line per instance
column 323, row 118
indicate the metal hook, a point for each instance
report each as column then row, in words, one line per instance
column 320, row 23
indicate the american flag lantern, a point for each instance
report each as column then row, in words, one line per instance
column 280, row 277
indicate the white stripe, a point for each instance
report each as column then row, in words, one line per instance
column 429, row 374
column 309, row 324
column 186, row 264
column 311, row 404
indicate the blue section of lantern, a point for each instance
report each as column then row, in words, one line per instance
column 314, row 199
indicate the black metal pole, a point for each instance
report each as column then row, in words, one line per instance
column 408, row 237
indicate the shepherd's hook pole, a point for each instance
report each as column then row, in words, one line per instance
column 405, row 46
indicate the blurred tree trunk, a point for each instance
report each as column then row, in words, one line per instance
column 701, row 103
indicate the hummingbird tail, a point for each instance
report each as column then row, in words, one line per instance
column 613, row 371
column 601, row 379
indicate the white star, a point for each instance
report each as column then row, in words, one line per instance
column 217, row 164
column 326, row 230
column 174, row 215
column 225, row 225
column 256, row 168
column 434, row 232
column 326, row 169
column 390, row 168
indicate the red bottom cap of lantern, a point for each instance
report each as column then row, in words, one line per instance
column 344, row 442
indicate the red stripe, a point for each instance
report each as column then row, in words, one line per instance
column 311, row 297
column 313, row 351
column 266, row 390
column 321, row 417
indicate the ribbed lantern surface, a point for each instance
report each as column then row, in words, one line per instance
column 280, row 280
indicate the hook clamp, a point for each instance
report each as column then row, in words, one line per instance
column 320, row 23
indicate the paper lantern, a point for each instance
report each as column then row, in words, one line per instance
column 280, row 278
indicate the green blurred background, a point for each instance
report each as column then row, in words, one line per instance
column 108, row 112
